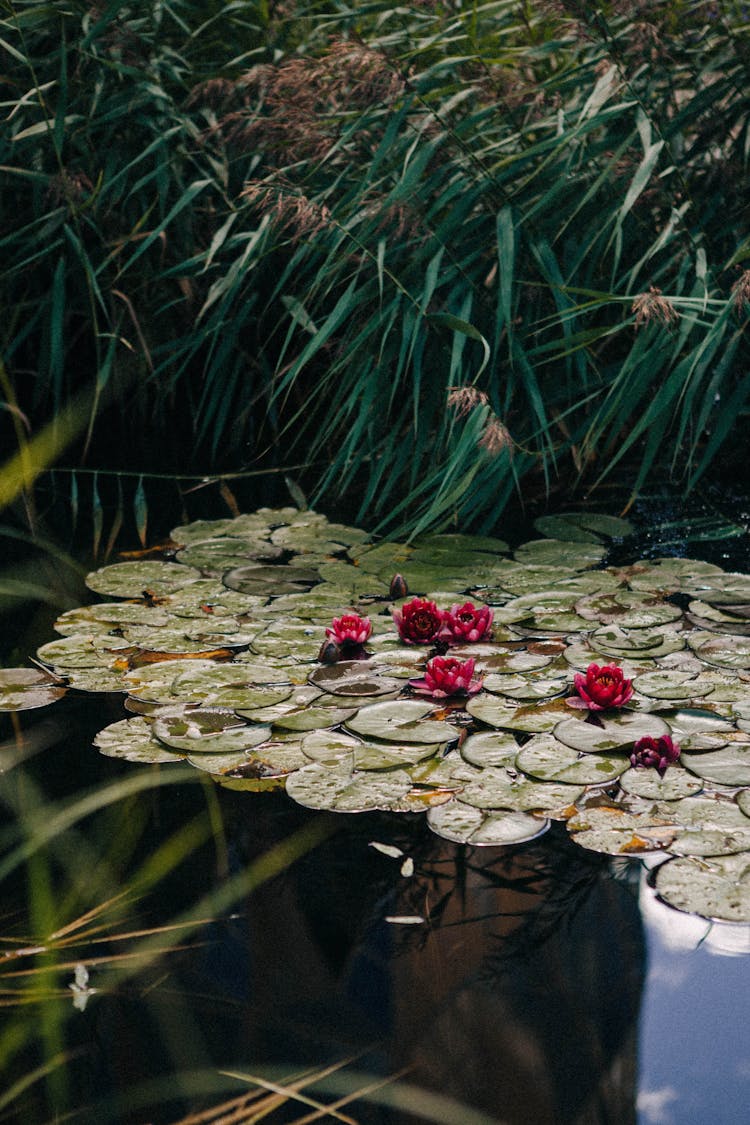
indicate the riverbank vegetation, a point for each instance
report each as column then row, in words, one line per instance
column 423, row 257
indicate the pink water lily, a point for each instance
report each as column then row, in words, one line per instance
column 655, row 753
column 601, row 688
column 419, row 621
column 350, row 629
column 466, row 624
column 445, row 676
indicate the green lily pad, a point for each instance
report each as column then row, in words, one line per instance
column 227, row 685
column 490, row 748
column 385, row 755
column 206, row 730
column 131, row 579
column 710, row 825
column 715, row 888
column 727, row 766
column 23, row 689
column 401, row 721
column 525, row 687
column 81, row 650
column 353, row 677
column 463, row 824
column 721, row 650
column 501, row 788
column 614, row 830
column 132, row 740
column 534, row 718
column 649, row 784
column 326, row 714
column 547, row 759
column 340, row 789
column 328, row 746
column 554, row 552
column 613, row 732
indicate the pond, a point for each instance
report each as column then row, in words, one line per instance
column 195, row 931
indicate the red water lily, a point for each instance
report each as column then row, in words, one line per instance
column 419, row 621
column 350, row 629
column 656, row 753
column 445, row 676
column 466, row 624
column 601, row 688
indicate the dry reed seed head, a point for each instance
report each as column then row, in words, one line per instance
column 496, row 437
column 741, row 292
column 214, row 92
column 652, row 306
column 464, row 399
column 287, row 207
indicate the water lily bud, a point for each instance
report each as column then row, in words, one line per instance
column 329, row 652
column 399, row 589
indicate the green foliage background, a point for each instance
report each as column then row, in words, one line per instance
column 240, row 236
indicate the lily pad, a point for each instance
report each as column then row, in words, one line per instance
column 546, row 758
column 131, row 579
column 352, row 677
column 207, row 730
column 463, row 824
column 727, row 766
column 613, row 732
column 133, row 741
column 501, row 788
column 715, row 888
column 490, row 748
column 401, row 721
column 23, row 689
column 339, row 788
column 650, row 784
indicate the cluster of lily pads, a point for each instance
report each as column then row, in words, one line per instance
column 281, row 649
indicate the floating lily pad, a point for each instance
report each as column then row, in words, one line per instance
column 546, row 758
column 554, row 552
column 328, row 746
column 23, row 689
column 339, row 788
column 501, row 788
column 227, row 685
column 534, row 718
column 316, row 716
column 715, row 888
column 207, row 730
column 672, row 786
column 727, row 766
column 401, row 721
column 131, row 579
column 490, row 748
column 132, row 740
column 617, row 831
column 613, row 732
column 463, row 824
column 352, row 677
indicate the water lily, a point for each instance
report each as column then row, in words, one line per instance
column 601, row 688
column 419, row 621
column 445, row 676
column 467, row 623
column 349, row 630
column 655, row 753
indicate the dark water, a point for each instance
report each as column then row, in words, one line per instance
column 548, row 984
